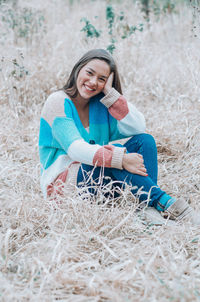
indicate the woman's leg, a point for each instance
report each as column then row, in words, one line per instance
column 145, row 145
column 146, row 186
column 99, row 178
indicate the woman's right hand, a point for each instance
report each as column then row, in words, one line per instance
column 108, row 84
column 134, row 163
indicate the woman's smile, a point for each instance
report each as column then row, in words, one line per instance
column 92, row 79
column 89, row 88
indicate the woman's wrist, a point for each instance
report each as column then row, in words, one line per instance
column 110, row 98
column 123, row 160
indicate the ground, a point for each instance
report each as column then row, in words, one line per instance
column 83, row 250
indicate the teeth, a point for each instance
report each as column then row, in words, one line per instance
column 89, row 88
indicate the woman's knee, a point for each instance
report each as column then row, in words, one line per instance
column 142, row 139
column 148, row 139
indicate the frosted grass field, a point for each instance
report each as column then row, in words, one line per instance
column 84, row 250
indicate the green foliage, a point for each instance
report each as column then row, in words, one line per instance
column 110, row 17
column 124, row 30
column 167, row 6
column 111, row 47
column 114, row 21
column 89, row 29
column 19, row 70
column 145, row 7
column 23, row 21
column 195, row 4
column 157, row 7
column 129, row 30
column 15, row 67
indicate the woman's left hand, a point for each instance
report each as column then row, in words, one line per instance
column 108, row 84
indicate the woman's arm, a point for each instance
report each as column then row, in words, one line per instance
column 96, row 155
column 58, row 114
column 59, row 132
column 130, row 121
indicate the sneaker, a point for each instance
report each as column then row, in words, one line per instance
column 180, row 210
column 150, row 215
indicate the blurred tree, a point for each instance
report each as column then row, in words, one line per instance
column 13, row 2
column 145, row 8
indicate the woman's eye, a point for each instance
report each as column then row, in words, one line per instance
column 89, row 72
column 102, row 80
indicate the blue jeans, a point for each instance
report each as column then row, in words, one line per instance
column 145, row 145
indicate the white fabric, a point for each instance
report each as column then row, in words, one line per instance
column 87, row 151
column 50, row 174
column 132, row 123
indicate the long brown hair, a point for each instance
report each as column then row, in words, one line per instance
column 70, row 87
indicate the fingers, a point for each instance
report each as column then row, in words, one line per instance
column 143, row 169
column 140, row 166
column 140, row 157
column 134, row 163
column 140, row 170
column 142, row 173
column 110, row 78
column 108, row 84
column 140, row 160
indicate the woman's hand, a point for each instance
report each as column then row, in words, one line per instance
column 108, row 84
column 134, row 163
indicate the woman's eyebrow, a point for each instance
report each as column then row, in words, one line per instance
column 102, row 76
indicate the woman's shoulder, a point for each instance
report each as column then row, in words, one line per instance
column 56, row 96
column 54, row 104
column 55, row 100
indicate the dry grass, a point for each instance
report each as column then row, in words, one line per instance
column 82, row 250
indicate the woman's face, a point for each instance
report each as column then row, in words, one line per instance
column 92, row 78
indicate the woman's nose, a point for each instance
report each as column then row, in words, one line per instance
column 93, row 81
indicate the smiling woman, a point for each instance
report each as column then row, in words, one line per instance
column 90, row 82
column 77, row 124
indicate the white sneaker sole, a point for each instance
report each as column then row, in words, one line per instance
column 152, row 216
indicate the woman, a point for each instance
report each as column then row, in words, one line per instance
column 77, row 124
